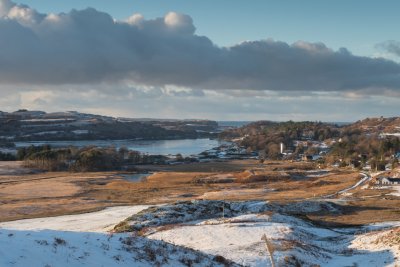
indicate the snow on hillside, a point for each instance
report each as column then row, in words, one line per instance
column 295, row 242
column 100, row 221
column 380, row 240
column 197, row 233
column 83, row 240
column 187, row 211
column 58, row 248
column 237, row 236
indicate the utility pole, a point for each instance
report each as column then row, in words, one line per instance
column 270, row 249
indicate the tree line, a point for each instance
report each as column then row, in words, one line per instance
column 266, row 136
column 83, row 159
column 357, row 148
column 348, row 144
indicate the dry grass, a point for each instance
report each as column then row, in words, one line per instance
column 391, row 238
column 363, row 211
column 267, row 176
column 51, row 194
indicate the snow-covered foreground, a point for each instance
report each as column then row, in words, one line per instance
column 72, row 249
column 295, row 242
column 100, row 221
column 196, row 234
column 238, row 238
column 83, row 240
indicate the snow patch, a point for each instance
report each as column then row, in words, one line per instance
column 75, row 249
column 100, row 221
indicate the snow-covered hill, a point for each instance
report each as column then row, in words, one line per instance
column 59, row 248
column 83, row 240
column 198, row 233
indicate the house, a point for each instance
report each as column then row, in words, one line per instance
column 316, row 157
column 388, row 167
column 307, row 158
column 388, row 181
column 311, row 157
column 354, row 163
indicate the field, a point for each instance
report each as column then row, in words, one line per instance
column 25, row 194
column 328, row 217
column 197, row 233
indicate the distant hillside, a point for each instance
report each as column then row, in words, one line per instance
column 24, row 125
column 267, row 135
column 374, row 140
column 289, row 130
column 376, row 125
column 317, row 131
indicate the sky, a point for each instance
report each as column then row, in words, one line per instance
column 222, row 60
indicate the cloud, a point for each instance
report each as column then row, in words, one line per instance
column 179, row 22
column 391, row 46
column 5, row 7
column 89, row 47
column 217, row 105
column 135, row 19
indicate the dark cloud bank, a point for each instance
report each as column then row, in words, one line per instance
column 88, row 46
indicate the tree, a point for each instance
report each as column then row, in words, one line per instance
column 7, row 157
column 179, row 157
column 273, row 151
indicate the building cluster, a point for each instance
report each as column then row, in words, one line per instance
column 385, row 180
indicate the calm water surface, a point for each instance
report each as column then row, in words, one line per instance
column 136, row 177
column 185, row 147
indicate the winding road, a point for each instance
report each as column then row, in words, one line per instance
column 366, row 178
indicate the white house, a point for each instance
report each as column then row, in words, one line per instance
column 388, row 181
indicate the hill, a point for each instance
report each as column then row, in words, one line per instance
column 24, row 125
column 373, row 141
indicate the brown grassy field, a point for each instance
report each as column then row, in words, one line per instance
column 50, row 194
column 365, row 206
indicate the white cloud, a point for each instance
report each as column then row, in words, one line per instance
column 179, row 22
column 85, row 60
column 24, row 15
column 5, row 6
column 135, row 19
column 184, row 103
column 90, row 47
